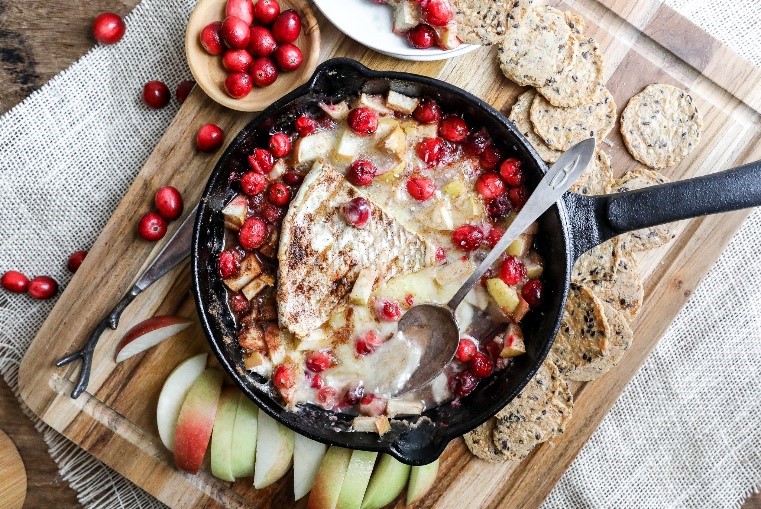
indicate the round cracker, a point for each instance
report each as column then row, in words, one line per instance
column 540, row 412
column 519, row 114
column 481, row 443
column 601, row 262
column 575, row 22
column 624, row 291
column 661, row 125
column 537, row 45
column 561, row 128
column 598, row 176
column 655, row 236
column 481, row 21
column 574, row 84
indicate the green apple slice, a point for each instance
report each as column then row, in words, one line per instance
column 244, row 438
column 330, row 477
column 222, row 435
column 421, row 480
column 274, row 451
column 307, row 456
column 173, row 393
column 356, row 480
column 387, row 482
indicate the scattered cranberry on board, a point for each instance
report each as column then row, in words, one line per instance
column 151, row 227
column 209, row 138
column 168, row 201
column 108, row 28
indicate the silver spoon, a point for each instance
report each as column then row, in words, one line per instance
column 434, row 326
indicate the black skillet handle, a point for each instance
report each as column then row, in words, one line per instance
column 595, row 219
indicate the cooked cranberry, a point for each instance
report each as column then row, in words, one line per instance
column 422, row 36
column 441, row 254
column 468, row 382
column 453, row 129
column 183, row 90
column 490, row 158
column 292, row 178
column 263, row 72
column 156, row 94
column 361, row 173
column 209, row 138
column 108, row 28
column 532, row 292
column 211, row 38
column 327, row 397
column 476, row 143
column 511, row 171
column 409, row 300
column 319, row 361
column 481, row 365
column 239, row 304
column 438, row 12
column 421, row 188
column 493, row 350
column 265, row 11
column 317, row 382
column 490, row 186
column 168, row 201
column 75, row 260
column 283, row 377
column 42, row 287
column 305, row 125
column 512, row 271
column 430, row 150
column 252, row 233
column 427, row 112
column 242, row 9
column 278, row 194
column 287, row 27
column 262, row 42
column 388, row 310
column 229, row 263
column 14, row 281
column 235, row 32
column 151, row 226
column 280, row 144
column 518, row 196
column 261, row 160
column 499, row 208
column 272, row 214
column 364, row 347
column 467, row 237
column 357, row 212
column 354, row 395
column 253, row 183
column 372, row 405
column 237, row 60
column 495, row 234
column 465, row 350
column 288, row 57
column 363, row 121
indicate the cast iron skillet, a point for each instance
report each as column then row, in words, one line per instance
column 573, row 226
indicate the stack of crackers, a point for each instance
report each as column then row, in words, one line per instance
column 544, row 48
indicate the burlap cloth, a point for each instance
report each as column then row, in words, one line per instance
column 685, row 433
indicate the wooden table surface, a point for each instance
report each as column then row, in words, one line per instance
column 36, row 42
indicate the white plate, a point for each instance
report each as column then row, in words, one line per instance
column 371, row 24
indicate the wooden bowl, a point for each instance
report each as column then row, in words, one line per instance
column 210, row 75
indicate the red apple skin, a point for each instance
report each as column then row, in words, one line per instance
column 196, row 421
column 154, row 324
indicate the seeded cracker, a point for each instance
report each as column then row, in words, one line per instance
column 537, row 45
column 573, row 85
column 601, row 263
column 481, row 443
column 624, row 290
column 540, row 412
column 561, row 128
column 576, row 22
column 519, row 114
column 661, row 126
column 598, row 176
column 482, row 21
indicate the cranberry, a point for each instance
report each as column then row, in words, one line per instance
column 354, row 395
column 261, row 160
column 317, row 382
column 421, row 188
column 476, row 143
column 499, row 208
column 279, row 194
column 364, row 347
column 42, row 287
column 532, row 292
column 327, row 397
column 493, row 349
column 156, row 94
column 209, row 138
column 388, row 310
column 305, row 125
column 265, row 11
column 263, row 72
column 168, row 202
column 242, row 9
column 453, row 129
column 495, row 234
column 427, row 112
column 490, row 186
column 518, row 196
column 287, row 27
column 151, row 226
column 361, row 173
column 511, row 172
column 512, row 271
column 372, row 405
column 252, row 234
column 283, row 377
column 292, row 178
column 280, row 144
column 253, row 183
column 239, row 304
column 319, row 361
column 238, row 85
column 108, row 28
column 357, row 212
column 288, row 57
column 237, row 60
column 235, row 32
column 409, row 300
column 272, row 214
column 363, row 121
column 183, row 90
column 441, row 254
column 422, row 36
column 481, row 365
column 430, row 150
column 262, row 43
column 490, row 158
column 466, row 349
column 438, row 12
column 75, row 260
column 15, row 281
column 467, row 237
column 463, row 383
column 211, row 38
column 229, row 263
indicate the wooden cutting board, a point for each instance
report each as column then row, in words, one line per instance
column 643, row 42
column 12, row 475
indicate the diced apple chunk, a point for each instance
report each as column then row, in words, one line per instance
column 396, row 407
column 315, row 340
column 405, row 16
column 505, row 296
column 348, row 146
column 250, row 268
column 426, row 131
column 513, row 345
column 337, row 111
column 395, row 143
column 401, row 103
column 454, row 188
column 363, row 286
column 521, row 309
column 447, row 36
column 382, row 425
column 278, row 170
column 393, row 174
column 253, row 360
column 363, row 424
column 441, row 217
column 376, row 103
column 534, row 265
column 313, row 147
column 521, row 245
column 252, row 289
column 235, row 211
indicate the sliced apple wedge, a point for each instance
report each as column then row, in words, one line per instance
column 421, row 480
column 222, row 435
column 387, row 482
column 244, row 437
column 307, row 456
column 149, row 333
column 173, row 394
column 330, row 478
column 196, row 421
column 356, row 480
column 274, row 451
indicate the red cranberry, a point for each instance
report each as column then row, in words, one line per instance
column 512, row 271
column 317, row 382
column 361, row 173
column 354, row 395
column 511, row 172
column 490, row 158
column 261, row 160
column 252, row 234
column 229, row 263
column 464, row 383
column 283, row 377
column 262, row 43
column 363, row 121
column 242, row 9
column 430, row 150
column 209, row 138
column 151, row 227
column 288, row 57
column 42, row 287
column 466, row 349
column 421, row 188
column 265, row 11
column 305, row 125
column 15, row 281
column 476, row 143
column 481, row 365
column 253, row 183
column 264, row 72
column 318, row 362
column 292, row 178
column 364, row 347
column 156, row 94
column 441, row 254
column 357, row 212
column 427, row 112
column 287, row 27
column 238, row 85
column 490, row 186
column 453, row 129
column 422, row 36
column 237, row 60
column 239, row 304
column 108, row 28
column 75, row 260
column 493, row 350
column 235, row 33
column 409, row 300
column 211, row 38
column 532, row 292
column 495, row 234
column 280, row 145
column 499, row 208
column 388, row 310
column 518, row 196
column 279, row 194
column 327, row 397
column 438, row 12
column 183, row 90
column 467, row 237
column 168, row 202
column 271, row 213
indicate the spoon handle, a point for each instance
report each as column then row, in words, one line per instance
column 556, row 181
